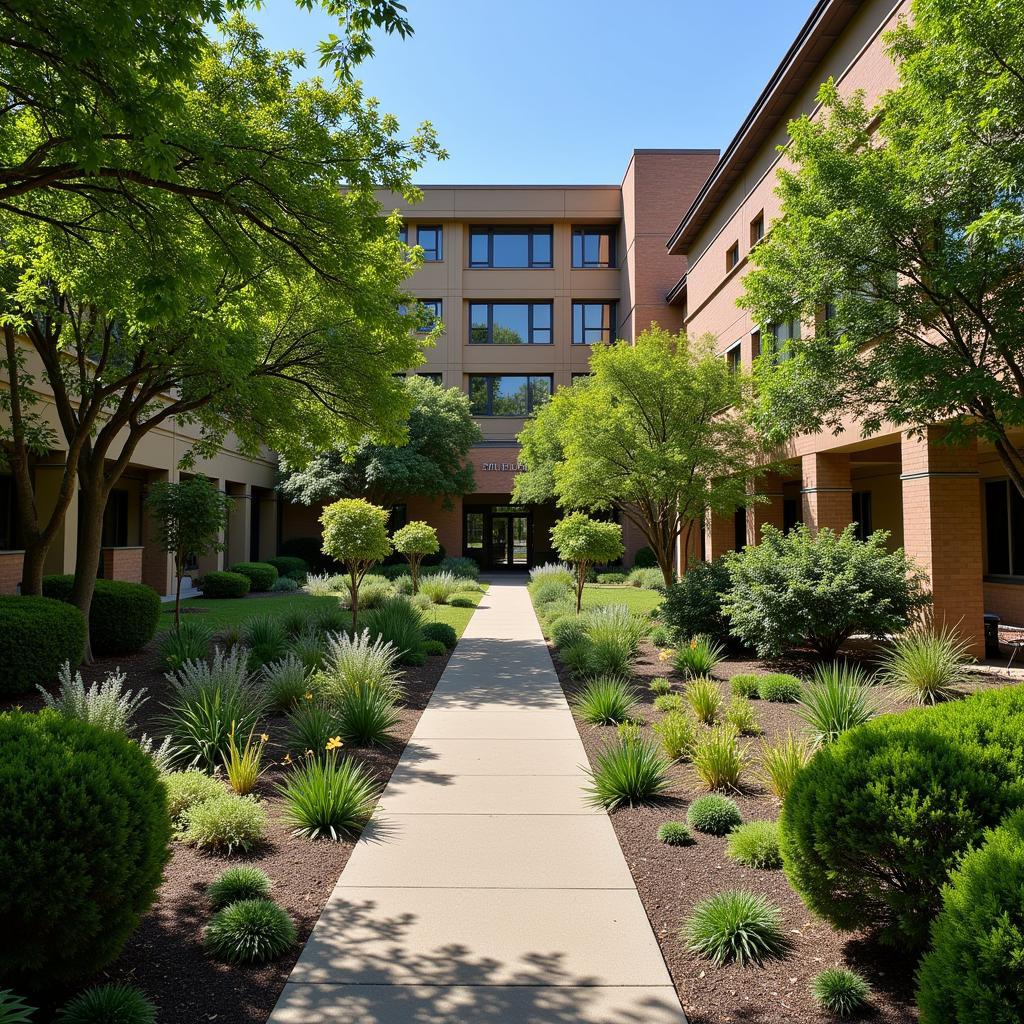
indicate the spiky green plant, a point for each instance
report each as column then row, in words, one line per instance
column 736, row 927
column 628, row 771
column 704, row 698
column 718, row 759
column 699, row 656
column 741, row 716
column 14, row 1009
column 576, row 657
column 311, row 727
column 265, row 637
column 838, row 698
column 366, row 713
column 606, row 700
column 249, row 932
column 927, row 665
column 361, row 659
column 840, row 992
column 675, row 833
column 309, row 648
column 239, row 883
column 660, row 686
column 678, row 733
column 714, row 814
column 285, row 682
column 112, row 1003
column 188, row 641
column 755, row 844
column 398, row 623
column 106, row 704
column 781, row 761
column 329, row 799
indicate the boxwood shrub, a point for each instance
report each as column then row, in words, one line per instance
column 288, row 564
column 874, row 823
column 440, row 631
column 225, row 584
column 693, row 604
column 261, row 575
column 123, row 616
column 83, row 847
column 37, row 635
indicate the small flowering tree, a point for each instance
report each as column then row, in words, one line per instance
column 356, row 534
column 583, row 542
column 415, row 540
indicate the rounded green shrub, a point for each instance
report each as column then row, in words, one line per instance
column 225, row 823
column 549, row 591
column 440, row 631
column 693, row 604
column 249, row 932
column 458, row 601
column 123, row 616
column 188, row 788
column 288, row 564
column 113, row 1003
column 972, row 972
column 568, row 630
column 755, row 844
column 660, row 686
column 261, row 575
column 665, row 702
column 241, row 883
column 714, row 814
column 779, row 687
column 875, row 821
column 736, row 927
column 745, row 684
column 82, row 850
column 645, row 558
column 675, row 833
column 433, row 648
column 839, row 991
column 37, row 635
column 225, row 584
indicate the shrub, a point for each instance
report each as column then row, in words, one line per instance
column 296, row 622
column 359, row 660
column 373, row 591
column 458, row 601
column 14, row 1009
column 308, row 647
column 464, row 568
column 285, row 682
column 366, row 713
column 614, row 635
column 331, row 620
column 441, row 587
column 585, row 542
column 442, row 632
column 693, row 604
column 105, row 703
column 675, row 833
column 926, row 665
column 189, row 641
column 249, row 932
column 875, row 821
column 568, row 630
column 838, row 698
column 241, row 883
column 646, row 579
column 666, row 702
column 311, row 727
column 736, row 927
column 220, row 584
column 321, row 584
column 718, row 759
column 550, row 590
column 645, row 558
column 972, row 972
column 660, row 686
column 704, row 698
column 261, row 575
column 558, row 572
column 112, row 1003
column 82, row 851
column 809, row 589
column 780, row 763
column 611, row 577
column 627, row 772
column 414, row 659
column 779, row 688
column 606, row 700
column 186, row 789
column 284, row 585
column 123, row 616
column 840, row 992
column 755, row 845
column 37, row 635
column 699, row 656
column 576, row 657
column 225, row 823
column 741, row 716
column 746, row 684
column 286, row 564
column 398, row 623
column 329, row 799
column 659, row 636
column 716, row 815
column 678, row 733
column 433, row 648
column 630, row 729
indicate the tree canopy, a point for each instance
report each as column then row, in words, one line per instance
column 416, row 540
column 584, row 541
column 355, row 533
column 901, row 242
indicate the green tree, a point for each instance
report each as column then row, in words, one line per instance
column 901, row 242
column 659, row 430
column 583, row 542
column 431, row 461
column 416, row 540
column 355, row 534
column 189, row 516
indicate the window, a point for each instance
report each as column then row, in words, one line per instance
column 474, row 532
column 757, row 229
column 115, row 520
column 790, row 513
column 8, row 515
column 431, row 309
column 779, row 337
column 593, row 248
column 755, row 344
column 434, row 378
column 431, row 241
column 739, row 529
column 397, row 518
column 510, row 247
column 510, row 323
column 732, row 257
column 593, row 323
column 403, row 234
column 507, row 394
column 1004, row 529
column 734, row 357
column 862, row 513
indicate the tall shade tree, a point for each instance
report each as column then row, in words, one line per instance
column 901, row 243
column 659, row 430
column 432, row 460
column 190, row 517
column 583, row 542
column 355, row 534
column 416, row 540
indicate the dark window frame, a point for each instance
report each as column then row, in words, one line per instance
column 433, row 377
column 438, row 249
column 860, row 510
column 114, row 531
column 584, row 264
column 733, row 357
column 732, row 256
column 438, row 315
column 1004, row 508
column 529, row 231
column 611, row 305
column 490, row 378
column 757, row 229
column 530, row 304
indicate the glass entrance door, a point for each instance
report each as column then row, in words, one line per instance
column 499, row 540
column 499, row 536
column 519, row 534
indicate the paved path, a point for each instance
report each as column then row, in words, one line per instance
column 486, row 891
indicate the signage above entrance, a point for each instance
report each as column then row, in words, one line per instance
column 502, row 467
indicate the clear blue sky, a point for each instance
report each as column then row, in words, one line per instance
column 561, row 91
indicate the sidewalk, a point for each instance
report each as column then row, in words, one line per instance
column 486, row 889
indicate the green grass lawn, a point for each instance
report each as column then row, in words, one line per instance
column 638, row 600
column 221, row 613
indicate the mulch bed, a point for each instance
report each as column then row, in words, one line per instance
column 164, row 957
column 671, row 880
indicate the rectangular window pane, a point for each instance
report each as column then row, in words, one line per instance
column 478, row 252
column 478, row 396
column 434, row 378
column 515, row 248
column 478, row 323
column 997, row 534
column 592, row 248
column 541, row 331
column 474, row 531
column 540, row 391
column 541, row 249
column 1016, row 530
column 510, row 250
column 431, row 314
column 592, row 322
column 429, row 239
column 509, row 396
column 511, row 324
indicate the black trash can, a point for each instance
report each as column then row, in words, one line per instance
column 992, row 635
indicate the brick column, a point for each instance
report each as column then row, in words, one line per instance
column 759, row 513
column 157, row 565
column 719, row 535
column 942, row 529
column 825, row 491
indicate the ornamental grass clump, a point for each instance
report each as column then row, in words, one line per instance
column 838, row 698
column 556, row 572
column 266, row 639
column 106, row 704
column 441, row 587
column 242, row 764
column 660, row 686
column 699, row 656
column 285, row 682
column 398, row 623
column 736, row 927
column 360, row 659
column 745, row 684
column 188, row 641
column 249, row 932
column 675, row 833
column 741, row 716
column 14, row 1009
column 782, row 761
column 112, row 1003
column 366, row 713
column 716, row 815
column 312, row 724
column 779, row 688
column 606, row 700
column 239, row 883
column 677, row 732
column 704, row 698
column 226, row 823
column 927, row 665
column 576, row 658
column 329, row 799
column 718, row 759
column 755, row 844
column 308, row 647
column 668, row 702
column 841, row 992
column 628, row 771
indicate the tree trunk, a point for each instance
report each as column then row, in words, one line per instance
column 581, row 578
column 414, row 568
column 177, row 596
column 354, row 603
column 90, row 542
column 32, row 566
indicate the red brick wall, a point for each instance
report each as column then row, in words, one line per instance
column 826, row 491
column 122, row 564
column 10, row 571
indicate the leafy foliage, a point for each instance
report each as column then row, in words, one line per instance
column 415, row 540
column 714, row 814
column 186, row 789
column 755, row 844
column 37, row 636
column 441, row 631
column 218, row 584
column 736, row 927
column 123, row 616
column 225, row 823
column 250, row 932
column 14, row 1009
column 261, row 575
column 583, row 542
column 356, row 534
column 693, row 604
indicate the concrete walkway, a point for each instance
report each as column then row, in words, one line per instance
column 486, row 890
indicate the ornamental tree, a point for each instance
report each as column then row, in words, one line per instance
column 660, row 431
column 583, row 542
column 901, row 241
column 416, row 540
column 190, row 517
column 355, row 534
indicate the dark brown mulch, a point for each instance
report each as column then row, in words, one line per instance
column 165, row 957
column 672, row 880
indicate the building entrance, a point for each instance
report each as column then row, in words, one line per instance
column 499, row 536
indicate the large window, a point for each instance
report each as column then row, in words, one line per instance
column 115, row 520
column 510, row 323
column 508, row 394
column 778, row 339
column 593, row 322
column 862, row 514
column 431, row 309
column 434, row 378
column 8, row 515
column 510, row 247
column 1004, row 529
column 593, row 248
column 430, row 238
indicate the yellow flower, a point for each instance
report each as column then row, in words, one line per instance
column 264, row 737
column 287, row 759
column 333, row 743
column 309, row 695
column 693, row 645
column 664, row 655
